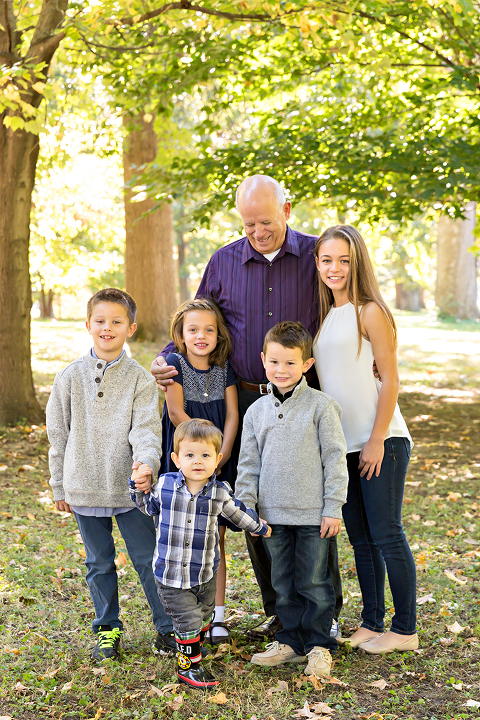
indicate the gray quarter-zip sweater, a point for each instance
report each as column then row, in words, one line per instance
column 97, row 425
column 293, row 458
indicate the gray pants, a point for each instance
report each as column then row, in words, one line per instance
column 191, row 609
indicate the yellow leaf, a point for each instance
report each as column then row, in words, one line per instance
column 121, row 559
column 31, row 517
column 40, row 88
column 218, row 699
column 451, row 576
column 81, row 552
column 97, row 714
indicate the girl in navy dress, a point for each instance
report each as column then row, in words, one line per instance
column 205, row 387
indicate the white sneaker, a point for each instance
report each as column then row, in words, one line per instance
column 335, row 630
column 277, row 654
column 319, row 662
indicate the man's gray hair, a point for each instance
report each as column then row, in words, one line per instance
column 255, row 180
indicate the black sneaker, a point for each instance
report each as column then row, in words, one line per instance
column 166, row 645
column 108, row 643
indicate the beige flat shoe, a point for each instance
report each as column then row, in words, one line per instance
column 362, row 635
column 388, row 644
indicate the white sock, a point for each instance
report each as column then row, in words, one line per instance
column 219, row 617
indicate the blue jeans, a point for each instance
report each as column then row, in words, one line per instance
column 373, row 520
column 138, row 532
column 305, row 598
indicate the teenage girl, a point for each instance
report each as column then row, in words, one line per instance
column 356, row 326
column 205, row 387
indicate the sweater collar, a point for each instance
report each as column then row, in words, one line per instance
column 299, row 388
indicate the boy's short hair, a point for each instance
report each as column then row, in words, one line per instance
column 290, row 334
column 116, row 296
column 197, row 430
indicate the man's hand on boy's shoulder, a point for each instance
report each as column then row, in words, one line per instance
column 62, row 506
column 330, row 527
column 142, row 477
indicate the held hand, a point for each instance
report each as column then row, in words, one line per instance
column 142, row 477
column 375, row 371
column 371, row 456
column 267, row 534
column 163, row 373
column 330, row 527
column 62, row 506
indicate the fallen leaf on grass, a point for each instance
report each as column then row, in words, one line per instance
column 444, row 611
column 451, row 576
column 218, row 699
column 57, row 582
column 51, row 673
column 121, row 559
column 99, row 671
column 106, row 679
column 469, row 703
column 430, row 523
column 2, row 469
column 453, row 496
column 380, row 684
column 6, row 514
column 19, row 687
column 15, row 651
column 414, row 483
column 6, row 717
column 31, row 516
column 321, row 707
column 175, row 703
column 315, row 711
column 28, row 468
column 67, row 686
column 456, row 628
column 426, row 599
column 98, row 714
column 447, row 641
column 280, row 687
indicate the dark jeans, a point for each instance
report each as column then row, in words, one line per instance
column 138, row 532
column 256, row 548
column 373, row 521
column 190, row 608
column 301, row 578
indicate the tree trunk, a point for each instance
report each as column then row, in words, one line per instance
column 149, row 265
column 18, row 159
column 182, row 269
column 409, row 298
column 46, row 304
column 456, row 287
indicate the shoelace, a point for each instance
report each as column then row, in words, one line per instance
column 108, row 638
column 314, row 655
column 275, row 645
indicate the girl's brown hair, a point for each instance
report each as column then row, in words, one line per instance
column 224, row 343
column 362, row 285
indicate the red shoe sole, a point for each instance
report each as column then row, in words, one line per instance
column 193, row 683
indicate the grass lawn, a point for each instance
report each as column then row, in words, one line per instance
column 45, row 615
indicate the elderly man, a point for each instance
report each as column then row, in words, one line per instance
column 261, row 279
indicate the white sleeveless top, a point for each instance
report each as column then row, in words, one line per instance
column 350, row 380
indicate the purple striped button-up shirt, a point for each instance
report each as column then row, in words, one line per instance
column 255, row 294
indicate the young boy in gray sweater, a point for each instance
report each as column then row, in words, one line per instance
column 103, row 415
column 293, row 469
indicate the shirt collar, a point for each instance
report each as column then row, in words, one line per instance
column 94, row 355
column 290, row 245
column 287, row 395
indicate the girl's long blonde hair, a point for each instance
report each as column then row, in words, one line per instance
column 224, row 343
column 362, row 286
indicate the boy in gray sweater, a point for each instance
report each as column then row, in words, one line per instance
column 293, row 469
column 103, row 415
